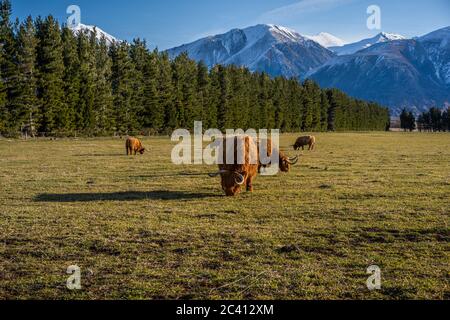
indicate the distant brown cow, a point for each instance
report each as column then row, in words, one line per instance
column 235, row 175
column 284, row 161
column 134, row 145
column 305, row 141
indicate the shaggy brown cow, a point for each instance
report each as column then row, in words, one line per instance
column 284, row 161
column 305, row 141
column 134, row 145
column 235, row 175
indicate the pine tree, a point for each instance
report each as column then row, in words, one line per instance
column 24, row 103
column 4, row 115
column 103, row 99
column 71, row 78
column 407, row 120
column 238, row 104
column 436, row 119
column 215, row 92
column 152, row 113
column 324, row 107
column 166, row 93
column 139, row 56
column 8, row 68
column 446, row 120
column 86, row 56
column 203, row 91
column 122, row 85
column 267, row 118
column 185, row 83
column 51, row 72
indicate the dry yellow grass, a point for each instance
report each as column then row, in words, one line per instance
column 141, row 227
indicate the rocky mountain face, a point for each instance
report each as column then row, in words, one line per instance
column 273, row 49
column 411, row 74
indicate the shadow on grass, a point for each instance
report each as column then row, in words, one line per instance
column 122, row 196
column 180, row 174
column 101, row 155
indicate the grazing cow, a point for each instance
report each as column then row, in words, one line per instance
column 235, row 175
column 305, row 141
column 134, row 145
column 284, row 161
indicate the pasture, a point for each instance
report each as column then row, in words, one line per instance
column 143, row 228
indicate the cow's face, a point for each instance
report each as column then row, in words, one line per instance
column 231, row 183
column 142, row 150
column 285, row 164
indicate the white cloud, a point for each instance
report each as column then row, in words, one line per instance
column 302, row 6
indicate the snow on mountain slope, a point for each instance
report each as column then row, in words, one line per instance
column 273, row 49
column 437, row 44
column 327, row 40
column 396, row 74
column 99, row 33
column 388, row 69
column 366, row 43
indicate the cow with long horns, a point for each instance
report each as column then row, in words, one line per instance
column 284, row 162
column 240, row 163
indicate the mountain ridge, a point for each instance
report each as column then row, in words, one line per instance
column 387, row 68
column 276, row 50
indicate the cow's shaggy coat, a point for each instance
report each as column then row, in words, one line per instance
column 134, row 146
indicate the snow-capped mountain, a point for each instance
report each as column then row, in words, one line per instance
column 366, row 43
column 273, row 49
column 399, row 73
column 99, row 33
column 437, row 45
column 388, row 68
column 327, row 40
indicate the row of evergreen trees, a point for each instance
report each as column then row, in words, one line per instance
column 407, row 120
column 65, row 84
column 432, row 120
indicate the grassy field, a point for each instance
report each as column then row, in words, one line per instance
column 143, row 228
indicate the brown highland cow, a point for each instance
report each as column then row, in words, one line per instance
column 134, row 145
column 305, row 141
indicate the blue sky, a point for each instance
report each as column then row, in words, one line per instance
column 170, row 23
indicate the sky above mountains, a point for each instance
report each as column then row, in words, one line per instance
column 171, row 23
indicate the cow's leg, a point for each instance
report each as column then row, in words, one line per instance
column 250, row 184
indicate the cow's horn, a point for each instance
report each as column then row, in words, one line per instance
column 294, row 160
column 215, row 174
column 239, row 178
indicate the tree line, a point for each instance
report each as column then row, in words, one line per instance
column 433, row 120
column 62, row 83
